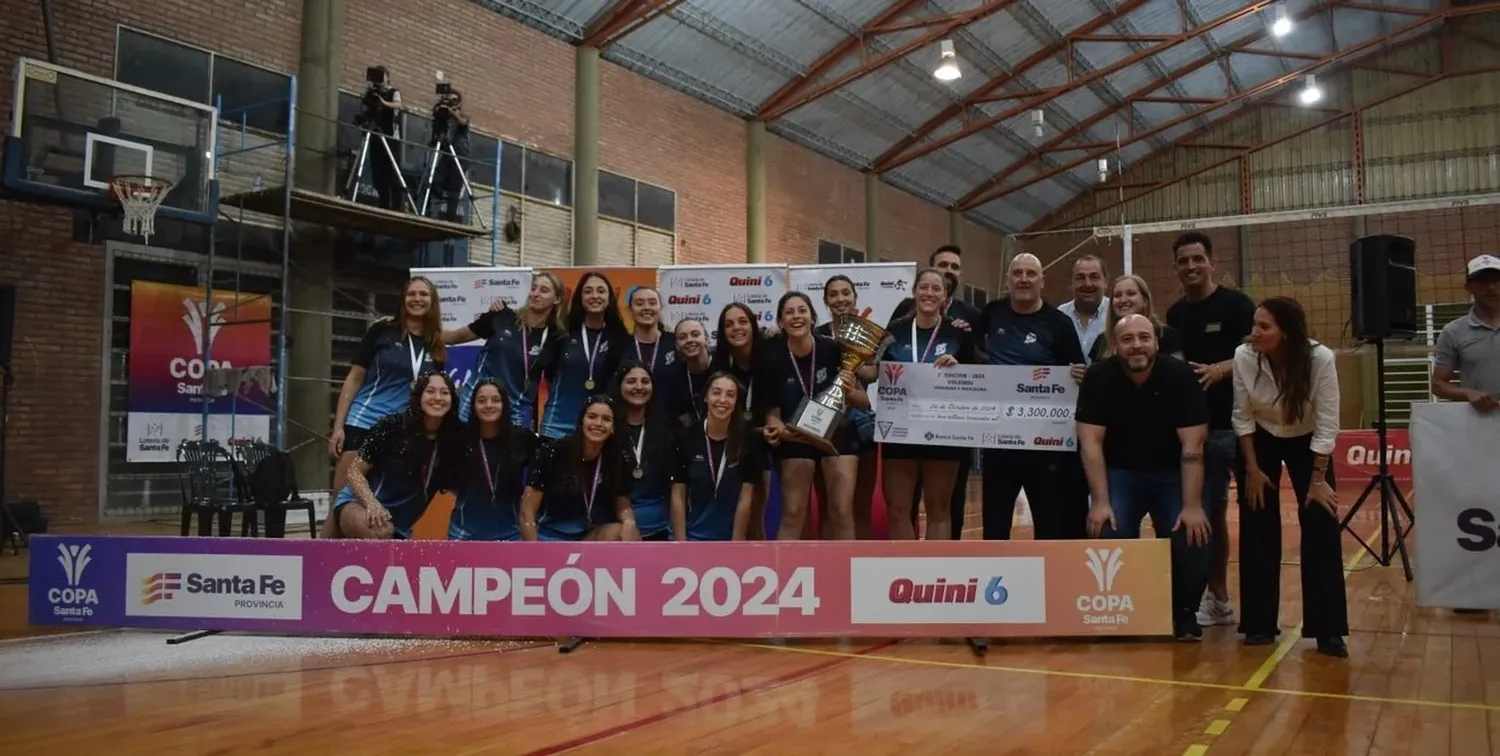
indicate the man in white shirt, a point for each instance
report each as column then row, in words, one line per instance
column 1089, row 307
column 1470, row 346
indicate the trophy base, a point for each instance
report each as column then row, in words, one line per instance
column 814, row 424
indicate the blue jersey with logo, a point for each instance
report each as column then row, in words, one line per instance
column 567, row 379
column 401, row 473
column 711, row 508
column 650, row 494
column 487, row 501
column 391, row 363
column 928, row 347
column 659, row 357
column 516, row 356
column 1044, row 337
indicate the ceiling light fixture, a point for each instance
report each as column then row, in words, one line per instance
column 947, row 69
column 1310, row 92
column 1282, row 26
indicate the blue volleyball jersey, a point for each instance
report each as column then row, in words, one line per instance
column 403, row 488
column 487, row 501
column 650, row 494
column 710, row 508
column 1044, row 337
column 681, row 392
column 659, row 357
column 516, row 356
column 567, row 378
column 391, row 363
column 574, row 501
column 928, row 346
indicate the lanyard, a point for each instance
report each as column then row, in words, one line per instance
column 418, row 356
column 655, row 347
column 431, row 466
column 692, row 392
column 489, row 475
column 588, row 498
column 812, row 367
column 930, row 340
column 526, row 347
column 717, row 473
column 640, row 444
column 590, row 354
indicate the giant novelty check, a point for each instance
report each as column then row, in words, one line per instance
column 988, row 406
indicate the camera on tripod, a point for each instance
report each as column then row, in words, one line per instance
column 377, row 91
column 442, row 110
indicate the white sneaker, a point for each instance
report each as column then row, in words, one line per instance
column 1215, row 612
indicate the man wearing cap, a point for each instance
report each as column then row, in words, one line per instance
column 1471, row 346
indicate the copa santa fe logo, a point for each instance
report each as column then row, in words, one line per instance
column 74, row 599
column 1106, row 607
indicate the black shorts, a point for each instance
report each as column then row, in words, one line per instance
column 922, row 452
column 354, row 438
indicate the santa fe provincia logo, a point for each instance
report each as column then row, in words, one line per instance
column 73, row 600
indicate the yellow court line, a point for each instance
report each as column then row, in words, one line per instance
column 1237, row 704
column 1216, row 727
column 1295, row 634
column 1113, row 678
column 1195, row 750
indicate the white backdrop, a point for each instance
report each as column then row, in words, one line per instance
column 1458, row 519
column 465, row 294
column 701, row 292
column 880, row 286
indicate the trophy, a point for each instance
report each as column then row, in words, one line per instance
column 818, row 417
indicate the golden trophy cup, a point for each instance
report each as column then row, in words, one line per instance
column 818, row 418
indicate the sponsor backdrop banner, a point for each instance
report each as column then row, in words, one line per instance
column 701, row 292
column 625, row 281
column 880, row 286
column 465, row 294
column 1453, row 462
column 986, row 406
column 167, row 326
column 439, row 588
column 1356, row 456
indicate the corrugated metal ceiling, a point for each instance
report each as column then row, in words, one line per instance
column 738, row 54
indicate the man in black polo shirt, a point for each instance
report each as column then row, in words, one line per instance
column 1141, row 427
column 1021, row 329
column 1212, row 321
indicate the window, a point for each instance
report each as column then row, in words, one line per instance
column 512, row 167
column 975, row 296
column 549, row 179
column 254, row 94
column 162, row 65
column 833, row 253
column 616, row 196
column 656, row 207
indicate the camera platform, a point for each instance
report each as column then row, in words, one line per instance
column 328, row 210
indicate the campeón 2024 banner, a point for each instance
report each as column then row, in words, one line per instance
column 665, row 590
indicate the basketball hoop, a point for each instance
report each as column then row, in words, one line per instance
column 139, row 197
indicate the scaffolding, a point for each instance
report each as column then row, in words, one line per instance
column 257, row 172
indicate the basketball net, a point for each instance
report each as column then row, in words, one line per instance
column 139, row 198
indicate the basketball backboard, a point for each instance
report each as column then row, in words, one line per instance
column 72, row 131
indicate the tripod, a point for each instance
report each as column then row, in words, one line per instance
column 443, row 149
column 357, row 175
column 1390, row 493
column 10, row 527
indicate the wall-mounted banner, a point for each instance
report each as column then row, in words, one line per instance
column 984, row 406
column 467, row 293
column 1356, row 456
column 1458, row 522
column 880, row 286
column 168, row 324
column 702, row 291
column 601, row 590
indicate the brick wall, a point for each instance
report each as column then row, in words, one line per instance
column 517, row 83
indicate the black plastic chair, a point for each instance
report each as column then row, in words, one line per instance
column 271, row 482
column 211, row 487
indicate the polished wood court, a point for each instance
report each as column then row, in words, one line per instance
column 1419, row 681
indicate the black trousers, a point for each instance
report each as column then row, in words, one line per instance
column 383, row 173
column 1054, row 486
column 1325, row 610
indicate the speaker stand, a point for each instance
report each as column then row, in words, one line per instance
column 1385, row 483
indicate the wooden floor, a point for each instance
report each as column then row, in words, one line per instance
column 1419, row 681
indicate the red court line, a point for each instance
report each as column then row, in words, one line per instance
column 651, row 719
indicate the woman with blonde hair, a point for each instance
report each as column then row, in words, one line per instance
column 519, row 345
column 1131, row 296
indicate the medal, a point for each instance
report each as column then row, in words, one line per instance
column 749, row 394
column 590, row 354
column 640, row 444
column 651, row 361
column 638, row 473
column 418, row 356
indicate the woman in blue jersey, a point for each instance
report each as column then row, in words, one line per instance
column 857, row 438
column 393, row 353
column 597, row 341
column 718, row 466
column 652, row 346
column 647, row 433
column 576, row 489
column 739, row 345
column 681, row 385
column 519, row 346
column 487, row 497
column 798, row 365
column 405, row 459
column 924, row 336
